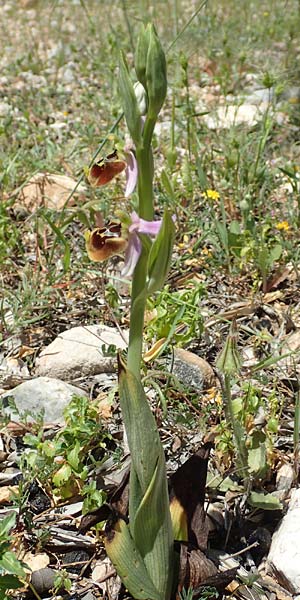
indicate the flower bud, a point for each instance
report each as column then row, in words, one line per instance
column 156, row 74
column 141, row 51
column 229, row 360
column 129, row 102
column 141, row 97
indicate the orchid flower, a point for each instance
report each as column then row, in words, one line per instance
column 104, row 242
column 103, row 171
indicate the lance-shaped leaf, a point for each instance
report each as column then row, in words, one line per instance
column 129, row 102
column 152, row 531
column 124, row 555
column 149, row 513
column 161, row 254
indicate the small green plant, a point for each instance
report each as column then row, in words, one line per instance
column 62, row 581
column 12, row 573
column 170, row 310
column 253, row 423
column 68, row 458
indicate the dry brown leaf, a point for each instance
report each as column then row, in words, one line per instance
column 154, row 351
column 49, row 190
column 105, row 408
column 35, row 562
column 6, row 492
column 194, row 568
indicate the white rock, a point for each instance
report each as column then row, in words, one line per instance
column 78, row 352
column 231, row 115
column 284, row 555
column 42, row 393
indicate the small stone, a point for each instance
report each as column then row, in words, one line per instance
column 40, row 393
column 79, row 352
column 43, row 580
column 192, row 370
column 284, row 555
column 75, row 561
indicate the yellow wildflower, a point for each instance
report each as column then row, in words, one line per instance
column 212, row 194
column 282, row 226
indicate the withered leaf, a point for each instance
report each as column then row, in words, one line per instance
column 188, row 489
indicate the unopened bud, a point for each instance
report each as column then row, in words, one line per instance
column 229, row 360
column 140, row 59
column 141, row 98
column 156, row 74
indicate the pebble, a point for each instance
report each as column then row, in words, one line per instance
column 41, row 393
column 43, row 580
column 192, row 370
column 78, row 352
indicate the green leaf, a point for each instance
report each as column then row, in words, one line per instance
column 153, row 530
column 275, row 253
column 6, row 524
column 129, row 564
column 257, row 455
column 129, row 102
column 160, row 254
column 11, row 564
column 73, row 456
column 8, row 582
column 264, row 501
column 149, row 512
column 62, row 475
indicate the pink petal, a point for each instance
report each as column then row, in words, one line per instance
column 132, row 254
column 141, row 226
column 131, row 173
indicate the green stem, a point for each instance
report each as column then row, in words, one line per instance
column 146, row 210
column 145, row 172
column 236, row 429
column 138, row 303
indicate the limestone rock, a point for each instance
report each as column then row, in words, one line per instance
column 192, row 370
column 284, row 555
column 78, row 352
column 46, row 393
column 49, row 190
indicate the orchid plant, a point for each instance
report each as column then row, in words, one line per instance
column 142, row 548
